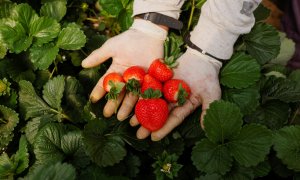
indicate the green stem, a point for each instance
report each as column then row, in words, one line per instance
column 84, row 53
column 54, row 69
column 191, row 15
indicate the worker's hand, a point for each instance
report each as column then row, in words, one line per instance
column 201, row 74
column 138, row 46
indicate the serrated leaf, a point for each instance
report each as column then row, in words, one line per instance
column 263, row 42
column 19, row 69
column 262, row 169
column 112, row 7
column 12, row 33
column 24, row 14
column 211, row 158
column 283, row 89
column 239, row 172
column 71, row 38
column 104, row 150
column 242, row 71
column 8, row 121
column 252, row 145
column 55, row 9
column 30, row 103
column 21, row 158
column 261, row 13
column 287, row 145
column 53, row 92
column 273, row 114
column 57, row 171
column 43, row 56
column 223, row 121
column 6, row 8
column 34, row 125
column 246, row 99
column 44, row 29
column 10, row 101
column 6, row 166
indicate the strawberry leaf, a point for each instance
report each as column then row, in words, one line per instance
column 53, row 92
column 242, row 71
column 24, row 14
column 6, row 8
column 71, row 38
column 43, row 56
column 113, row 7
column 222, row 121
column 211, row 158
column 263, row 42
column 287, row 145
column 55, row 9
column 103, row 149
column 8, row 121
column 252, row 145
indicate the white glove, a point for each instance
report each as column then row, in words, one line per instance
column 201, row 74
column 138, row 46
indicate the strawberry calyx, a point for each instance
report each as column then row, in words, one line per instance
column 151, row 94
column 182, row 95
column 170, row 62
column 115, row 89
column 133, row 86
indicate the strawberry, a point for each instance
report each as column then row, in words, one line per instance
column 152, row 111
column 113, row 83
column 134, row 77
column 151, row 82
column 162, row 69
column 176, row 91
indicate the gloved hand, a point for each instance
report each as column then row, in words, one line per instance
column 138, row 46
column 201, row 74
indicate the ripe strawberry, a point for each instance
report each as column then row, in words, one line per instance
column 113, row 83
column 151, row 82
column 134, row 77
column 162, row 69
column 152, row 113
column 176, row 90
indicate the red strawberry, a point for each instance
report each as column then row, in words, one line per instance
column 152, row 113
column 113, row 83
column 134, row 77
column 151, row 82
column 162, row 69
column 176, row 90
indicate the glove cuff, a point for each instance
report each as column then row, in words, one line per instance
column 149, row 28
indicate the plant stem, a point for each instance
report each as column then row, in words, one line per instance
column 54, row 69
column 295, row 115
column 191, row 15
column 3, row 121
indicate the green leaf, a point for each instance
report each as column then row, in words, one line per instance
column 252, row 145
column 262, row 169
column 222, row 121
column 10, row 101
column 19, row 69
column 71, row 38
column 6, row 8
column 57, row 171
column 3, row 50
column 239, row 172
column 12, row 33
column 242, row 71
column 6, row 166
column 21, row 158
column 8, row 121
column 263, row 42
column 273, row 114
column 55, row 9
column 53, row 92
column 34, row 125
column 211, row 158
column 30, row 103
column 125, row 19
column 246, row 99
column 112, row 7
column 261, row 13
column 44, row 29
column 282, row 89
column 43, row 56
column 287, row 145
column 103, row 149
column 24, row 14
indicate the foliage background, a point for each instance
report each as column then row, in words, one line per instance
column 49, row 128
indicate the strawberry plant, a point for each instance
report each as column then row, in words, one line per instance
column 50, row 129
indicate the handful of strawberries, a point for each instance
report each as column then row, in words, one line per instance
column 155, row 88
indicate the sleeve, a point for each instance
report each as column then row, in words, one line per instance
column 221, row 23
column 167, row 7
